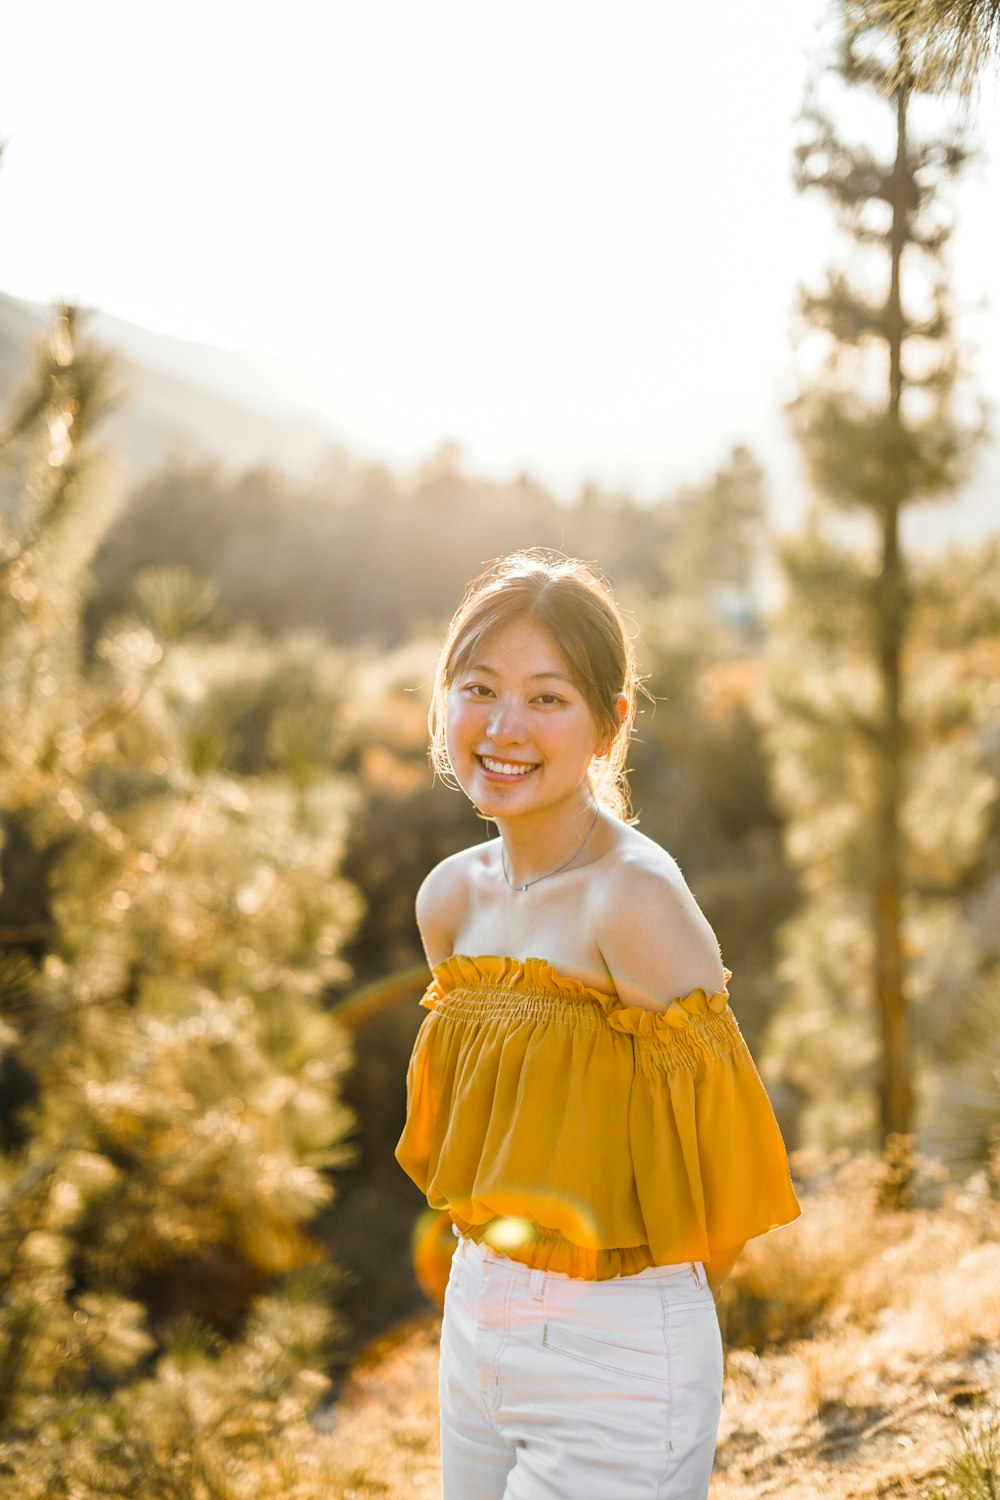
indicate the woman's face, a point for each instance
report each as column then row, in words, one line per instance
column 520, row 734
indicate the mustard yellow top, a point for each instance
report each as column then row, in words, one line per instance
column 579, row 1134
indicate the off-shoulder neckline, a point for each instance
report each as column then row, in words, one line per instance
column 533, row 968
column 538, row 975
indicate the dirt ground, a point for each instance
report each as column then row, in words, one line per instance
column 779, row 1435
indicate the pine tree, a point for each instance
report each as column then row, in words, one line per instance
column 715, row 554
column 956, row 39
column 879, row 431
column 170, row 1110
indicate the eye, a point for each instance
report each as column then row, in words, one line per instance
column 549, row 698
column 476, row 689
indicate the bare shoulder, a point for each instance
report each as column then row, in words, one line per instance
column 443, row 899
column 653, row 936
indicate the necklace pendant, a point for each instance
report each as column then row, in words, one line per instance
column 522, row 887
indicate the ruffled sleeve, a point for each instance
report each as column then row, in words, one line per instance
column 633, row 1136
column 700, row 1120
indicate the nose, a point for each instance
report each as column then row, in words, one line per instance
column 505, row 725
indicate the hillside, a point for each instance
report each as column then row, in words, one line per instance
column 779, row 1436
column 183, row 399
column 862, row 1359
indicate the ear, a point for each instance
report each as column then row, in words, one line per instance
column 621, row 708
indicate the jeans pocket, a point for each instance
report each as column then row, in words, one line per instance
column 644, row 1364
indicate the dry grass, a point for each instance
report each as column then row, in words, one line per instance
column 385, row 1426
column 860, row 1346
column 876, row 1332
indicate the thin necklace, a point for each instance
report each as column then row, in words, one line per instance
column 575, row 855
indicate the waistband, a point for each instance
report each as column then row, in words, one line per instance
column 692, row 1268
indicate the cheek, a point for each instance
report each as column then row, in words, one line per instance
column 456, row 727
column 586, row 739
column 569, row 746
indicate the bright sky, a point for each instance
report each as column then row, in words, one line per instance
column 560, row 232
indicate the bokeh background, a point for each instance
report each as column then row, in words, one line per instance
column 304, row 317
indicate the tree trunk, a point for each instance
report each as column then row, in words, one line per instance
column 895, row 1089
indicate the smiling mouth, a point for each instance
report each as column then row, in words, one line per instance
column 511, row 768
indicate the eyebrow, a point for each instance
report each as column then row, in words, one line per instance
column 480, row 666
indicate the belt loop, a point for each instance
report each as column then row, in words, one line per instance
column 537, row 1285
column 697, row 1271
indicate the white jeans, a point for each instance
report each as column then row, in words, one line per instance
column 555, row 1388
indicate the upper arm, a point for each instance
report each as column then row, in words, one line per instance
column 439, row 905
column 655, row 939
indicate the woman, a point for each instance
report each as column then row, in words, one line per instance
column 590, row 1118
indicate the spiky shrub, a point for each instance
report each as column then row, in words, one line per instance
column 973, row 1470
column 170, row 1111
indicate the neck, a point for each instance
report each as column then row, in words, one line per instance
column 536, row 844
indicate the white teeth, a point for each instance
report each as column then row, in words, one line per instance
column 506, row 767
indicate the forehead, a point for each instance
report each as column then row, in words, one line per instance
column 523, row 647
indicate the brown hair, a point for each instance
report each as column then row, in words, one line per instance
column 572, row 601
